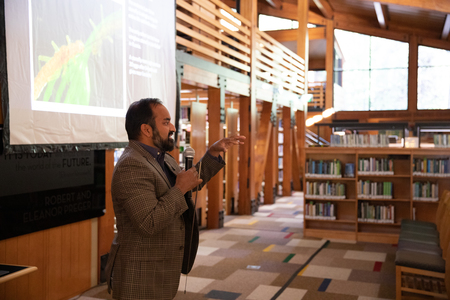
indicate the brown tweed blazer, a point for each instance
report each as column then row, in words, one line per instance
column 146, row 256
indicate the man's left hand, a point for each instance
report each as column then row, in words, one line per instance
column 226, row 143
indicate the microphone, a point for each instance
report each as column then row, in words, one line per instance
column 189, row 154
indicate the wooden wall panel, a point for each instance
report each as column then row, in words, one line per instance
column 198, row 143
column 62, row 256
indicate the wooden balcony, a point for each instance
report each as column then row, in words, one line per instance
column 317, row 89
column 214, row 46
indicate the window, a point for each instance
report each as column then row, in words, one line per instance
column 433, row 78
column 370, row 73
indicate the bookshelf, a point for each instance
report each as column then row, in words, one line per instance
column 382, row 191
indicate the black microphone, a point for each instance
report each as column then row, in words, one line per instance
column 189, row 154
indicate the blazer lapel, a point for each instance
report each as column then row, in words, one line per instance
column 152, row 161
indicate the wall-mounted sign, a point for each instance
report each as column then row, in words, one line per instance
column 45, row 190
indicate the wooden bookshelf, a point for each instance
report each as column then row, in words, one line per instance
column 397, row 205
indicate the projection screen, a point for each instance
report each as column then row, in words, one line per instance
column 74, row 67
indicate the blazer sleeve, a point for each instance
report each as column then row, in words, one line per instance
column 145, row 196
column 210, row 167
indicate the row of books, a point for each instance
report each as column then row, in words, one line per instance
column 375, row 213
column 322, row 168
column 431, row 167
column 359, row 140
column 375, row 166
column 425, row 191
column 324, row 190
column 424, row 283
column 319, row 211
column 374, row 190
column 441, row 140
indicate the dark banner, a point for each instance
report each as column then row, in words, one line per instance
column 48, row 190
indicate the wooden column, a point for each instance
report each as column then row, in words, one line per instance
column 412, row 73
column 248, row 9
column 232, row 167
column 271, row 170
column 246, row 175
column 299, row 131
column 198, row 143
column 262, row 144
column 302, row 36
column 300, row 117
column 329, row 59
column 287, row 151
column 296, row 175
column 215, row 185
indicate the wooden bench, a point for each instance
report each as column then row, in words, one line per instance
column 422, row 255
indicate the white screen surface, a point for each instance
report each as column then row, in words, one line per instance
column 75, row 66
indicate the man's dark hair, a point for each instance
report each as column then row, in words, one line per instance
column 140, row 112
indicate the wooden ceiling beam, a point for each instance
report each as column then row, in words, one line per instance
column 277, row 4
column 436, row 5
column 446, row 29
column 382, row 14
column 314, row 18
column 288, row 11
column 292, row 34
column 325, row 8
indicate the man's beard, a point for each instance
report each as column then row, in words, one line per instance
column 165, row 145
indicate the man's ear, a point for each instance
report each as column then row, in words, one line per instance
column 146, row 130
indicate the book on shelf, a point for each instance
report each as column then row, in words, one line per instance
column 367, row 189
column 441, row 140
column 320, row 211
column 375, row 166
column 439, row 167
column 323, row 168
column 359, row 140
column 425, row 191
column 325, row 190
column 375, row 213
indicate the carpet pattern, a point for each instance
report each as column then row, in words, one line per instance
column 265, row 257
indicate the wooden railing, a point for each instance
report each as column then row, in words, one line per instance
column 317, row 89
column 204, row 31
column 201, row 33
column 278, row 65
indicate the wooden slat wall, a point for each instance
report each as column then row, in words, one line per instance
column 317, row 89
column 202, row 33
column 278, row 65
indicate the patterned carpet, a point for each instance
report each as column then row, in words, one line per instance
column 265, row 257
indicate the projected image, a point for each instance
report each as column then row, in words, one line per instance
column 78, row 53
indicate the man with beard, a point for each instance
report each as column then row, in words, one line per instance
column 148, row 188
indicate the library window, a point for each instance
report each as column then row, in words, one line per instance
column 370, row 76
column 433, row 77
